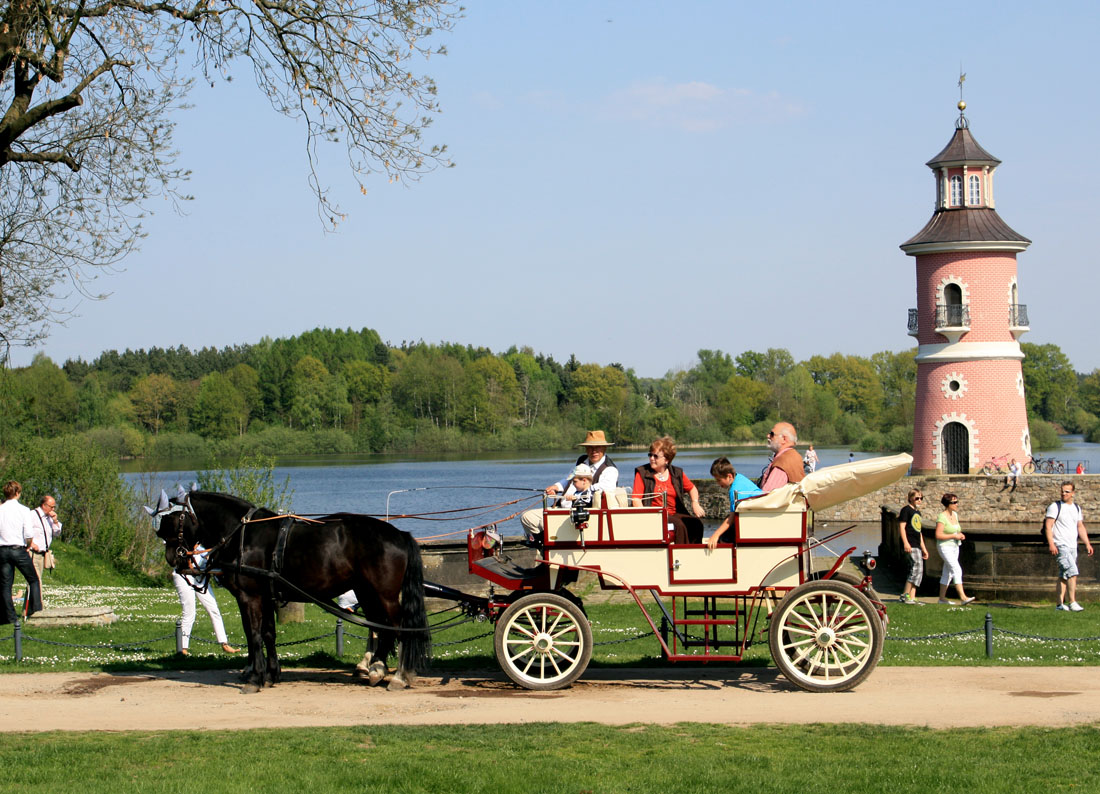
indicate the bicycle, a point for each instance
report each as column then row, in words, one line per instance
column 998, row 464
column 1046, row 465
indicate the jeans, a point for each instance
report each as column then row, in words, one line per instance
column 12, row 557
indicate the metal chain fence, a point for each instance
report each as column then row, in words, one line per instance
column 18, row 636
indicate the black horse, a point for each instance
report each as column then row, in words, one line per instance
column 262, row 558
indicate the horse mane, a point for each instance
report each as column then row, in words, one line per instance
column 231, row 502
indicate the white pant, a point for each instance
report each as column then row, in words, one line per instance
column 187, row 596
column 949, row 553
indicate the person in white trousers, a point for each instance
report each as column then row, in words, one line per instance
column 205, row 595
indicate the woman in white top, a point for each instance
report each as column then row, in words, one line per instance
column 949, row 537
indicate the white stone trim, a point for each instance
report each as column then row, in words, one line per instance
column 957, row 281
column 1020, row 383
column 1025, row 440
column 916, row 249
column 1012, row 283
column 945, row 386
column 937, row 437
column 970, row 351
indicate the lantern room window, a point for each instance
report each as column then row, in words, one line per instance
column 975, row 191
column 956, row 191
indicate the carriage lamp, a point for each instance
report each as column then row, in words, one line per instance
column 579, row 515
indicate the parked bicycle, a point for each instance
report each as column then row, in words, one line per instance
column 999, row 465
column 1046, row 465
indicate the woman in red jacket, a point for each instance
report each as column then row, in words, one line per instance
column 660, row 483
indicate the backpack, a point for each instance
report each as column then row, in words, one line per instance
column 1043, row 525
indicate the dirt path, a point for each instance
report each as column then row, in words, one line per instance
column 931, row 696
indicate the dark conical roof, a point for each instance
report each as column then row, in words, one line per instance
column 967, row 225
column 962, row 148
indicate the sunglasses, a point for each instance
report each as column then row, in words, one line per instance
column 953, row 502
column 918, row 498
column 655, row 455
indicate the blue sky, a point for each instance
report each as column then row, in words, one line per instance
column 638, row 180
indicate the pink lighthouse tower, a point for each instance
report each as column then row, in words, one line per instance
column 968, row 321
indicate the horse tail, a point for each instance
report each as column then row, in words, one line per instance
column 416, row 646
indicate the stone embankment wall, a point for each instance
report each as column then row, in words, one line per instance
column 981, row 499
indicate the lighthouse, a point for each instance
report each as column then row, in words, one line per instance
column 968, row 320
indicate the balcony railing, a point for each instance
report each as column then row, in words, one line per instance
column 1017, row 316
column 952, row 315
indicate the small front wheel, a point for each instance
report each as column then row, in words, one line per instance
column 543, row 641
column 988, row 470
column 1029, row 468
column 825, row 636
column 1061, row 467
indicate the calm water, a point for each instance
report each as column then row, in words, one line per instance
column 481, row 485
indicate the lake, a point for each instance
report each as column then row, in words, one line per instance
column 479, row 485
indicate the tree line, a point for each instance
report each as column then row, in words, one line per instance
column 334, row 391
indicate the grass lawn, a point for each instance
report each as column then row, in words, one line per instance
column 144, row 636
column 558, row 758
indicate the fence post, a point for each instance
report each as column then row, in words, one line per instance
column 18, row 640
column 179, row 636
column 988, row 636
column 339, row 638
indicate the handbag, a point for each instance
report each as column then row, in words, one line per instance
column 51, row 561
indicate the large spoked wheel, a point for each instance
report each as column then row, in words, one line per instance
column 825, row 636
column 1029, row 468
column 988, row 470
column 543, row 641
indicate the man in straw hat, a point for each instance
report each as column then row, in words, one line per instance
column 605, row 477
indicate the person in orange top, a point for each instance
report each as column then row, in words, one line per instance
column 660, row 483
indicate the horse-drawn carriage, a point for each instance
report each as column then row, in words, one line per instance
column 825, row 628
column 825, row 632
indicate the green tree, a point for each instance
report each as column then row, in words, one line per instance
column 50, row 398
column 154, row 399
column 221, row 411
column 741, row 402
column 1050, row 384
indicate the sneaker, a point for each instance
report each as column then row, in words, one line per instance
column 903, row 599
column 946, row 601
column 1062, row 608
column 969, row 600
column 1075, row 607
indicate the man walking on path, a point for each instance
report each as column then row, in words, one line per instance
column 1064, row 525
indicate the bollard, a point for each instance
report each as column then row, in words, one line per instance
column 18, row 640
column 179, row 636
column 339, row 638
column 988, row 636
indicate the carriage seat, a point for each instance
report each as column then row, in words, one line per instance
column 619, row 498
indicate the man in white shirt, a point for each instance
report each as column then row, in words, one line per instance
column 1063, row 526
column 16, row 533
column 605, row 477
column 46, row 528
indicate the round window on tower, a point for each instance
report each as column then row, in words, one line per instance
column 953, row 386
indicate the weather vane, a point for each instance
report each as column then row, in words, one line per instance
column 962, row 122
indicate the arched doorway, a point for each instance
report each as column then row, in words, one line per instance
column 955, row 444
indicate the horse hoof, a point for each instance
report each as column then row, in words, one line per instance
column 397, row 683
column 249, row 688
column 376, row 673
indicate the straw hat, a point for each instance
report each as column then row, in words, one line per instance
column 596, row 438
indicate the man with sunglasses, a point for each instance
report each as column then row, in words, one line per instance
column 1063, row 526
column 786, row 464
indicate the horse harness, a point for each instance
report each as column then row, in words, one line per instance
column 275, row 572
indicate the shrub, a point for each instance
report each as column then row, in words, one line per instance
column 1043, row 434
column 98, row 510
column 251, row 477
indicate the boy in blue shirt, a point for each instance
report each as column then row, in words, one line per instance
column 740, row 487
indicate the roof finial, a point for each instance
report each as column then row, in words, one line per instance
column 962, row 123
